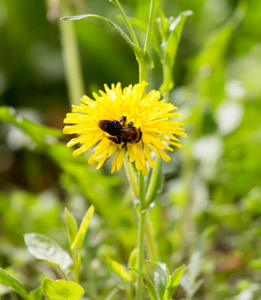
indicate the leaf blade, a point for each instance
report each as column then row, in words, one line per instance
column 78, row 241
column 61, row 289
column 44, row 248
column 173, row 282
column 110, row 23
column 10, row 281
column 118, row 269
column 71, row 225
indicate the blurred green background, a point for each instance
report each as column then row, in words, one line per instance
column 208, row 215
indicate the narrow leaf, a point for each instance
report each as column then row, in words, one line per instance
column 149, row 285
column 170, row 50
column 133, row 259
column 61, row 289
column 160, row 278
column 38, row 133
column 136, row 49
column 44, row 248
column 71, row 225
column 78, row 241
column 8, row 280
column 173, row 282
column 118, row 269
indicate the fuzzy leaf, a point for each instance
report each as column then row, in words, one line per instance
column 136, row 49
column 44, row 248
column 78, row 241
column 8, row 280
column 61, row 289
column 160, row 278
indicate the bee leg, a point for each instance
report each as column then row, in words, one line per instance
column 114, row 140
column 124, row 145
column 130, row 124
column 123, row 120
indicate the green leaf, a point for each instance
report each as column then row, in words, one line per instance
column 61, row 289
column 160, row 278
column 36, row 294
column 71, row 225
column 44, row 248
column 169, row 49
column 8, row 280
column 118, row 269
column 133, row 259
column 38, row 133
column 151, row 289
column 135, row 48
column 173, row 282
column 78, row 241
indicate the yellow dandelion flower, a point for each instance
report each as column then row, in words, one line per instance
column 121, row 121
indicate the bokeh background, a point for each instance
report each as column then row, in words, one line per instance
column 208, row 215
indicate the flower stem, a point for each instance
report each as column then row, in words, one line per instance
column 151, row 240
column 142, row 211
column 141, row 234
column 131, row 177
column 153, row 183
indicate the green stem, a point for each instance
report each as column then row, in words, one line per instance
column 71, row 58
column 75, row 265
column 141, row 234
column 131, row 177
column 151, row 240
column 132, row 33
column 142, row 210
column 142, row 70
column 153, row 182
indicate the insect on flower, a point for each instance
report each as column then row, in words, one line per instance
column 124, row 121
column 120, row 131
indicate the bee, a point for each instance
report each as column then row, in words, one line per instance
column 120, row 131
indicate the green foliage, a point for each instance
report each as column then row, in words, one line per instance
column 78, row 241
column 36, row 294
column 149, row 284
column 61, row 289
column 71, row 225
column 140, row 53
column 118, row 269
column 165, row 285
column 11, row 282
column 173, row 282
column 170, row 33
column 44, row 248
column 38, row 133
column 213, row 180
